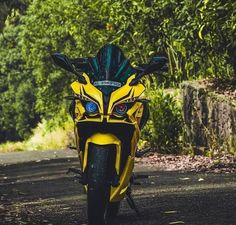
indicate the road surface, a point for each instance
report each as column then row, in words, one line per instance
column 39, row 192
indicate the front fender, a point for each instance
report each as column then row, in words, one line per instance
column 117, row 193
column 103, row 139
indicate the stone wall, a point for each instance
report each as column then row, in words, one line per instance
column 210, row 118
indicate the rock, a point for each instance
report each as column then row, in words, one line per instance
column 210, row 118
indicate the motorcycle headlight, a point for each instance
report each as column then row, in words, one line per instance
column 91, row 107
column 120, row 109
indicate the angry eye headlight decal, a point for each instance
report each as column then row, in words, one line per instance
column 120, row 109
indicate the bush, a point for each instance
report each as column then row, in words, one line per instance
column 164, row 128
column 45, row 137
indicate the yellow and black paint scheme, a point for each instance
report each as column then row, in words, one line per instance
column 106, row 127
column 108, row 112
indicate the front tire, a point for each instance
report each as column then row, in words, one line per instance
column 98, row 194
column 112, row 210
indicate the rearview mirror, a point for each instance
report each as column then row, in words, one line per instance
column 63, row 61
column 155, row 64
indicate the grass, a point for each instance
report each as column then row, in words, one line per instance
column 12, row 147
column 43, row 138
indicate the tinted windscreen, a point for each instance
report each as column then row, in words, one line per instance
column 110, row 64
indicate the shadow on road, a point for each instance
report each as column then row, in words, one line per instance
column 38, row 193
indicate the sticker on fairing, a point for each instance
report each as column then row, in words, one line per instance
column 107, row 83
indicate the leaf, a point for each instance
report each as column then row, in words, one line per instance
column 185, row 178
column 200, row 31
column 177, row 222
column 170, row 212
column 200, row 179
column 151, row 52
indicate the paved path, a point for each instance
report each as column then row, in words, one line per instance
column 37, row 191
column 34, row 156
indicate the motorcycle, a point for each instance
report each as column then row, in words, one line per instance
column 108, row 112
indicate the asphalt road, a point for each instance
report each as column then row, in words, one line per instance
column 40, row 192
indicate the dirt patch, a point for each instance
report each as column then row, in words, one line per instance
column 220, row 164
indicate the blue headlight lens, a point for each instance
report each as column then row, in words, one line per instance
column 91, row 107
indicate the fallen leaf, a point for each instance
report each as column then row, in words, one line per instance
column 170, row 212
column 176, row 222
column 185, row 178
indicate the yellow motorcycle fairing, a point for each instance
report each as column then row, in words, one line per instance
column 91, row 93
column 124, row 94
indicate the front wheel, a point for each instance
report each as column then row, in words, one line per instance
column 112, row 210
column 98, row 194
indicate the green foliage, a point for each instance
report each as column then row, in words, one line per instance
column 7, row 8
column 197, row 36
column 17, row 100
column 164, row 129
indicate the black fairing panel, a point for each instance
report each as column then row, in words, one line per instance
column 122, row 131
